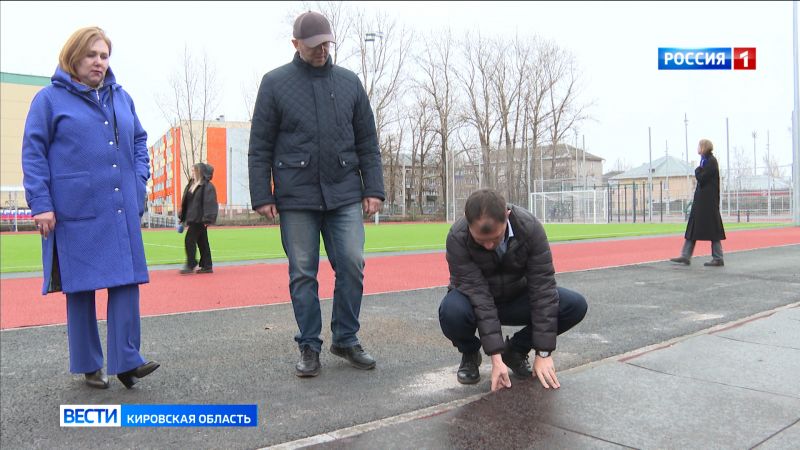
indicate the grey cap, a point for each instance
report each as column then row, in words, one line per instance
column 312, row 28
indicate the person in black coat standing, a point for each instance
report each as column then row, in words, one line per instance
column 199, row 209
column 705, row 221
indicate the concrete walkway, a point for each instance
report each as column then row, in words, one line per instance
column 735, row 386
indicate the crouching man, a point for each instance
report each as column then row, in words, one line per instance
column 501, row 273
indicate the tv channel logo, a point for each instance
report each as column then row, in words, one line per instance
column 90, row 415
column 159, row 415
column 711, row 58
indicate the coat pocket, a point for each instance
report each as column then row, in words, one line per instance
column 141, row 196
column 294, row 161
column 348, row 160
column 73, row 196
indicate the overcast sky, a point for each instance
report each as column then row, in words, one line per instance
column 615, row 45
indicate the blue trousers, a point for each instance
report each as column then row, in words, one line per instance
column 342, row 232
column 85, row 350
column 457, row 319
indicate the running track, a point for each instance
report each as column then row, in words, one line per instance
column 22, row 305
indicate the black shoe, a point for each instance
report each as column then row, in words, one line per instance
column 468, row 372
column 308, row 366
column 517, row 362
column 205, row 270
column 131, row 377
column 682, row 260
column 186, row 269
column 97, row 379
column 715, row 263
column 356, row 355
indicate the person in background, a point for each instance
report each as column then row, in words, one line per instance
column 199, row 209
column 705, row 220
column 85, row 168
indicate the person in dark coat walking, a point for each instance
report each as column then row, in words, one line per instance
column 314, row 159
column 85, row 168
column 199, row 209
column 705, row 221
column 501, row 273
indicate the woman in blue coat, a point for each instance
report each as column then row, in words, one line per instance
column 85, row 166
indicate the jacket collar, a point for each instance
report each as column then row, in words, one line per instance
column 311, row 70
column 63, row 79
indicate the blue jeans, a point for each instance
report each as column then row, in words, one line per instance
column 342, row 232
column 457, row 319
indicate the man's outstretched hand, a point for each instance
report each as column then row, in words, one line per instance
column 500, row 379
column 545, row 371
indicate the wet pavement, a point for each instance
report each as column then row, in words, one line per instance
column 650, row 367
column 734, row 388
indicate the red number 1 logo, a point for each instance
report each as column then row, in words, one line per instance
column 744, row 58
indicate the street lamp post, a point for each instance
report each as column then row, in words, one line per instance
column 755, row 161
column 686, row 138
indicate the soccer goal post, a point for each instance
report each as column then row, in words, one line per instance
column 588, row 206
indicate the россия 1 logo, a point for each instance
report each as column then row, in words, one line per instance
column 713, row 58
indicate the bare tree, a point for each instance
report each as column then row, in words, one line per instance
column 420, row 122
column 383, row 49
column 250, row 92
column 190, row 105
column 537, row 90
column 477, row 78
column 621, row 165
column 772, row 166
column 561, row 74
column 510, row 89
column 740, row 165
column 437, row 82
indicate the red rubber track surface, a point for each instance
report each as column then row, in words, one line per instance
column 22, row 305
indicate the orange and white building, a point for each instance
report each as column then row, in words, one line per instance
column 224, row 147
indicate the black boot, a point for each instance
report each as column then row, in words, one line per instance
column 97, row 379
column 132, row 377
column 517, row 362
column 308, row 366
column 356, row 355
column 468, row 372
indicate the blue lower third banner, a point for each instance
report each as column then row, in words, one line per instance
column 159, row 415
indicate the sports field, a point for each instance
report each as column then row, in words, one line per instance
column 21, row 252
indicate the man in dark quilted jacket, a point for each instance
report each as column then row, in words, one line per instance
column 314, row 159
column 501, row 273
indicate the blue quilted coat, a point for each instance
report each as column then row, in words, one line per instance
column 313, row 134
column 74, row 166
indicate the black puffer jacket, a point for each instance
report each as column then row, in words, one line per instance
column 486, row 279
column 313, row 133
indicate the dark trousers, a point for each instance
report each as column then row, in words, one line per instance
column 197, row 236
column 457, row 319
column 688, row 249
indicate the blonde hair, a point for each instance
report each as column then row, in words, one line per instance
column 78, row 45
column 706, row 146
